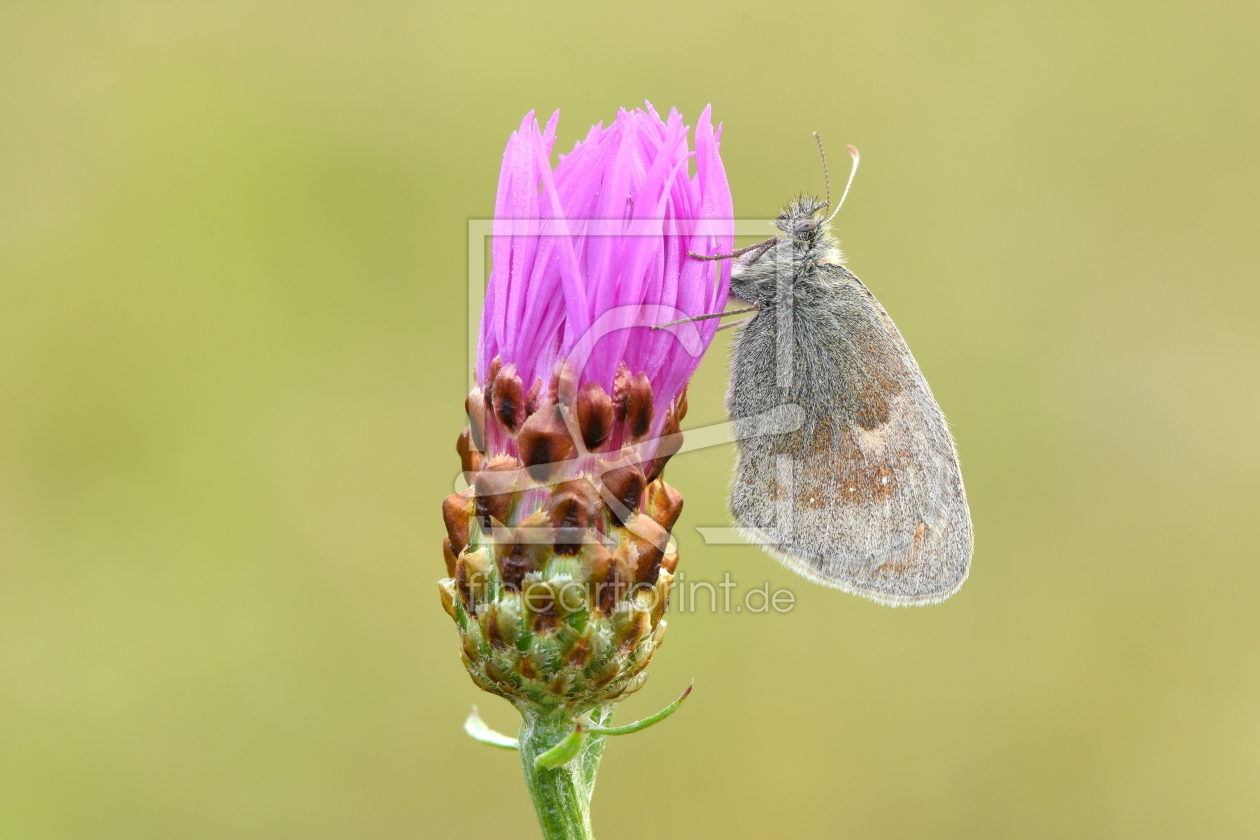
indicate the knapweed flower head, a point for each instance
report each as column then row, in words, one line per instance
column 559, row 554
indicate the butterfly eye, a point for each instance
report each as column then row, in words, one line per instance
column 804, row 226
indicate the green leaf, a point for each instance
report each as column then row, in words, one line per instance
column 647, row 721
column 563, row 752
column 477, row 728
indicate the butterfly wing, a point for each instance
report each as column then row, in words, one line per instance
column 866, row 496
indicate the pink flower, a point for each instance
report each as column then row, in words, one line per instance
column 588, row 257
column 579, row 405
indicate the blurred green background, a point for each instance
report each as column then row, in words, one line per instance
column 232, row 365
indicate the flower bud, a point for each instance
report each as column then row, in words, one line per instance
column 559, row 557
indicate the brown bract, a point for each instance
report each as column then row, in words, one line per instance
column 457, row 513
column 558, row 554
column 594, row 415
column 572, row 509
column 515, row 552
column 509, row 399
column 469, row 455
column 671, row 439
column 632, row 404
column 475, row 407
column 496, row 487
column 545, row 443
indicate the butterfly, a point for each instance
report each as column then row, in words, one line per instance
column 866, row 495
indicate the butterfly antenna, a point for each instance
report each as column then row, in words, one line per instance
column 853, row 151
column 823, row 155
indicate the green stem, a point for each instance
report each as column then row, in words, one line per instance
column 562, row 796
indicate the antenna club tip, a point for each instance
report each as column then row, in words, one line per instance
column 853, row 151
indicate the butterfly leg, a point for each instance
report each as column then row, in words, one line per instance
column 706, row 317
column 759, row 247
column 735, row 323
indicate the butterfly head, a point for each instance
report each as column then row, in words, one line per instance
column 802, row 221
